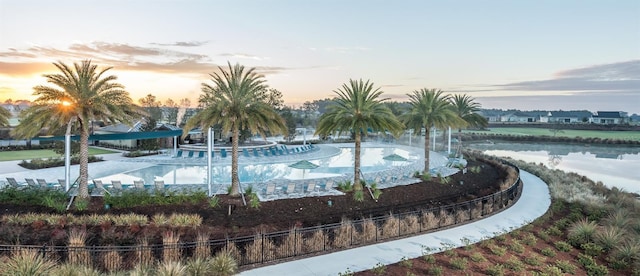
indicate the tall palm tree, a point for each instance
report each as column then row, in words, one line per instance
column 357, row 108
column 466, row 108
column 429, row 108
column 4, row 116
column 235, row 101
column 79, row 95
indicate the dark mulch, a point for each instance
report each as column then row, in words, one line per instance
column 270, row 216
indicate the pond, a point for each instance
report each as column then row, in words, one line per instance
column 614, row 165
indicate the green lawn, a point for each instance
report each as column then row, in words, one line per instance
column 31, row 154
column 620, row 135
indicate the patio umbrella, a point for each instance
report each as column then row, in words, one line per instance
column 303, row 165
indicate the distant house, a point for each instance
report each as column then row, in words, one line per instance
column 518, row 117
column 610, row 117
column 567, row 117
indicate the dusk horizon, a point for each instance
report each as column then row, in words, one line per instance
column 524, row 55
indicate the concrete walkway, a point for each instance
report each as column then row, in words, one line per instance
column 533, row 203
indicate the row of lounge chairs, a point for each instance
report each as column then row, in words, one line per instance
column 292, row 187
column 200, row 154
column 117, row 186
column 254, row 152
column 38, row 183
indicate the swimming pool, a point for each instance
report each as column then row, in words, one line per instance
column 337, row 165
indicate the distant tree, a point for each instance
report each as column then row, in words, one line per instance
column 290, row 121
column 185, row 103
column 357, row 108
column 152, row 106
column 8, row 101
column 273, row 97
column 172, row 114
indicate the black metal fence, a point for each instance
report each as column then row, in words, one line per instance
column 268, row 247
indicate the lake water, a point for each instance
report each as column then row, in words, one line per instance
column 617, row 166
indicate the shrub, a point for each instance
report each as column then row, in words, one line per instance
column 534, row 260
column 254, row 201
column 198, row 266
column 170, row 269
column 516, row 246
column 78, row 254
column 551, row 270
column 202, row 250
column 379, row 269
column 514, row 264
column 409, row 224
column 458, row 263
column 497, row 250
column 529, row 239
column 358, row 196
column 170, row 247
column 26, row 262
column 342, row 234
column 429, row 221
column 495, row 270
column 390, row 227
column 214, row 202
column 111, row 260
column 608, row 237
column 478, row 257
column 562, row 246
column 435, row 270
column 627, row 252
column 548, row 251
column 566, row 266
column 369, row 231
column 581, row 232
column 592, row 249
column 406, row 263
column 223, row 264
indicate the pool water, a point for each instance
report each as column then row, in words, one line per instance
column 372, row 159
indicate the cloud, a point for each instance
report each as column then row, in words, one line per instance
column 24, row 68
column 183, row 43
column 613, row 77
column 242, row 56
column 37, row 59
column 392, row 85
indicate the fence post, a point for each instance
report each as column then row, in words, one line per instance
column 262, row 248
column 44, row 250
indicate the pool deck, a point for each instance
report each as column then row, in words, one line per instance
column 272, row 189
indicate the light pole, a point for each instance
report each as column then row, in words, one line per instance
column 67, row 149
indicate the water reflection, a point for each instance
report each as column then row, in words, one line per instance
column 613, row 165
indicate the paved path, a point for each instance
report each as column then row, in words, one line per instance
column 533, row 203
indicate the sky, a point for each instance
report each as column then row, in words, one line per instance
column 527, row 55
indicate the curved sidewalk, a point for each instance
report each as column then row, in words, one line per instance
column 533, row 203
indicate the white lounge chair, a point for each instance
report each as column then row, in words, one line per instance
column 159, row 184
column 311, row 187
column 271, row 188
column 139, row 184
column 291, row 188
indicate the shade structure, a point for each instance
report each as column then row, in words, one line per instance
column 394, row 157
column 303, row 165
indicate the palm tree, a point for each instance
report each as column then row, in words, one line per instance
column 357, row 108
column 236, row 101
column 79, row 94
column 466, row 108
column 4, row 116
column 429, row 108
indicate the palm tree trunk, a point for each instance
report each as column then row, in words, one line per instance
column 356, row 166
column 235, row 181
column 426, row 150
column 83, row 186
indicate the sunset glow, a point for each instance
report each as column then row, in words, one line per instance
column 508, row 54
